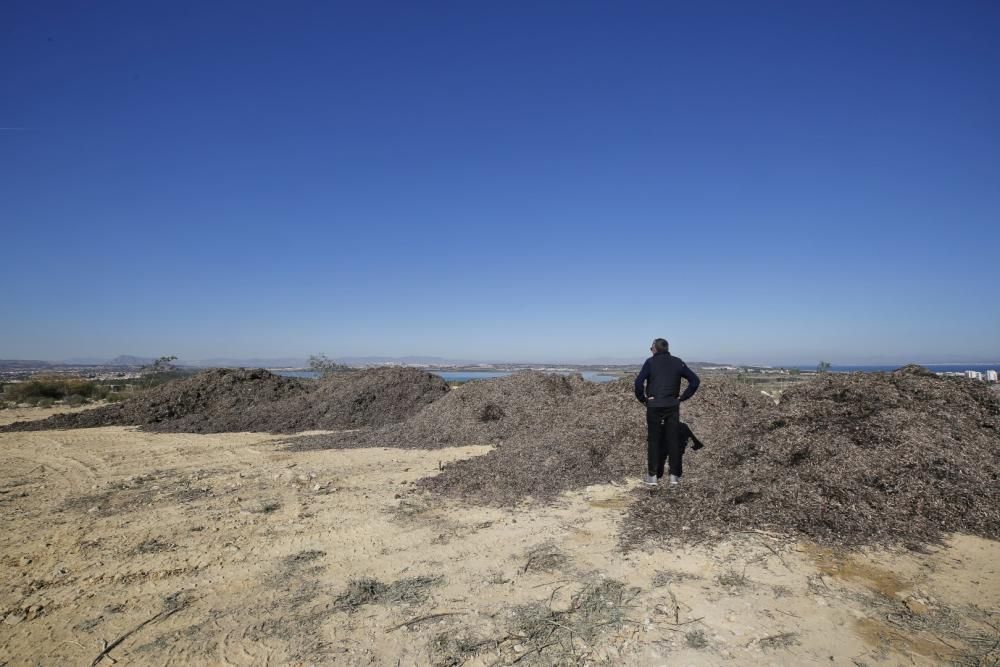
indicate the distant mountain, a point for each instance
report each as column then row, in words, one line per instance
column 120, row 360
column 130, row 360
column 22, row 363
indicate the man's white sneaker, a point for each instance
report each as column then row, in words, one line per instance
column 649, row 480
column 674, row 480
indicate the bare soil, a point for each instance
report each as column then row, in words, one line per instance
column 228, row 549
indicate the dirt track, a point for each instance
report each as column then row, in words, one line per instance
column 244, row 551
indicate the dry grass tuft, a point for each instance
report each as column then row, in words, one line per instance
column 696, row 639
column 667, row 577
column 545, row 558
column 454, row 648
column 780, row 640
column 572, row 636
column 367, row 590
column 733, row 579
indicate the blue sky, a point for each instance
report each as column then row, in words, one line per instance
column 770, row 182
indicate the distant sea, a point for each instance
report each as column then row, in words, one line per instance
column 466, row 376
column 596, row 376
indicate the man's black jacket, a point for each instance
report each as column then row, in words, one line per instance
column 659, row 382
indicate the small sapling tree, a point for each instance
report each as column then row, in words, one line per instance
column 322, row 365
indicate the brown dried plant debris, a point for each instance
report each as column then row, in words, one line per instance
column 226, row 400
column 863, row 458
column 887, row 458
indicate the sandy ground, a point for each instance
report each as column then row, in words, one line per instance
column 224, row 549
column 11, row 415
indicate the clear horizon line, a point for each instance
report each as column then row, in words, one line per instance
column 578, row 361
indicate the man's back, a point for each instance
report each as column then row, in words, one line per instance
column 659, row 382
column 657, row 385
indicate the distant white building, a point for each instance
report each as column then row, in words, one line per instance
column 991, row 376
column 974, row 375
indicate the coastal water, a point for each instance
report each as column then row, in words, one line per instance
column 466, row 376
column 597, row 376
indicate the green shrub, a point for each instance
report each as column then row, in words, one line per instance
column 156, row 379
column 50, row 387
column 55, row 388
column 44, row 402
column 77, row 399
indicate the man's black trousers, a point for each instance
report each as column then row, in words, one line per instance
column 663, row 429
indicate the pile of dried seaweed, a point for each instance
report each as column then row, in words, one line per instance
column 552, row 433
column 600, row 438
column 850, row 459
column 352, row 399
column 223, row 400
column 485, row 412
column 881, row 458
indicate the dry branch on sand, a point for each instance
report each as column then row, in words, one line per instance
column 366, row 590
column 535, row 634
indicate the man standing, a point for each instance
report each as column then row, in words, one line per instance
column 658, row 385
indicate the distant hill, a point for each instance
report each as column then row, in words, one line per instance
column 130, row 360
column 22, row 363
column 120, row 360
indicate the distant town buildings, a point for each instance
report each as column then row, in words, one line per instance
column 989, row 376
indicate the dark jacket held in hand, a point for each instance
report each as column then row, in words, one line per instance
column 685, row 434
